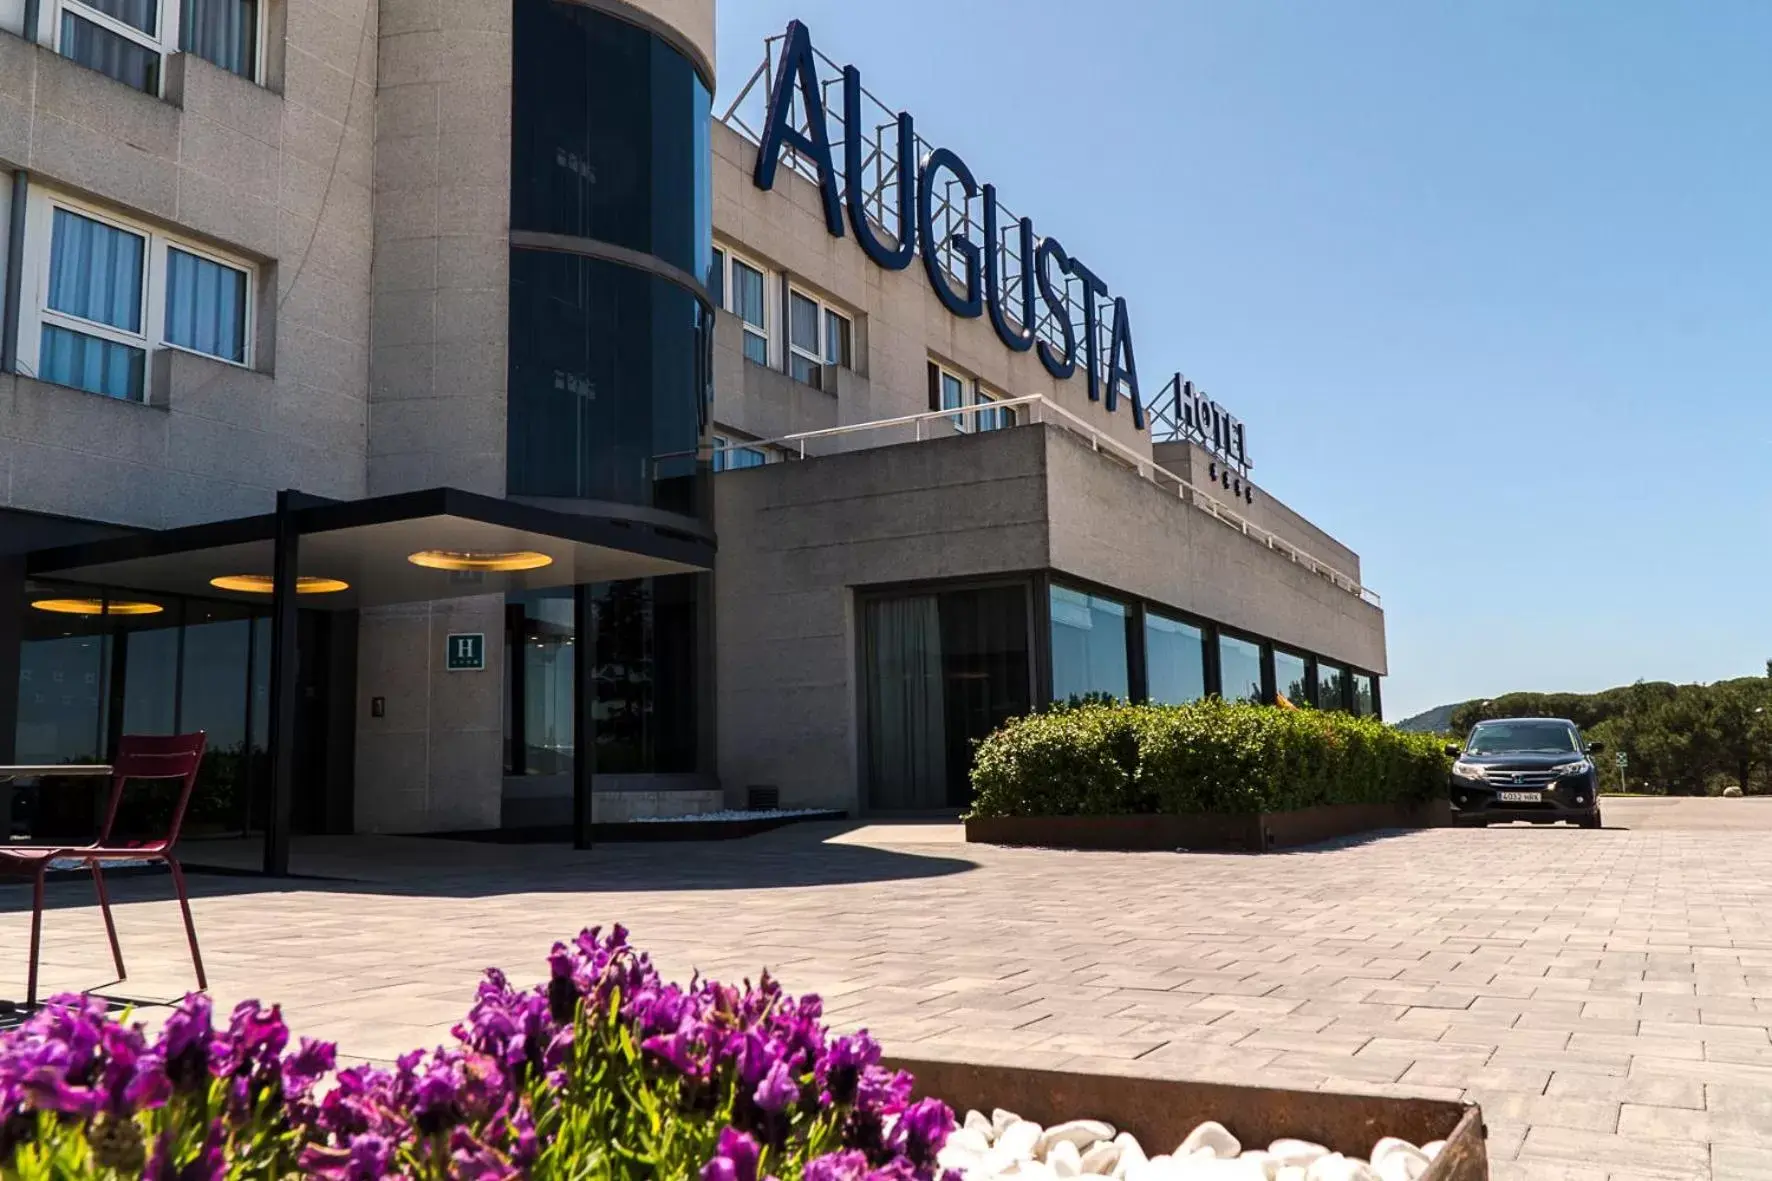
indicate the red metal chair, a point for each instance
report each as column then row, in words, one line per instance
column 138, row 757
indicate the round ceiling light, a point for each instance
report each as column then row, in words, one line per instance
column 443, row 559
column 264, row 584
column 97, row 607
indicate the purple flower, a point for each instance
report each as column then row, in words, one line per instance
column 838, row 1166
column 735, row 1158
column 305, row 1067
column 185, row 1042
column 778, row 1089
column 924, row 1129
column 839, row 1071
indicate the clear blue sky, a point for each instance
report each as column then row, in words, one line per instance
column 1490, row 283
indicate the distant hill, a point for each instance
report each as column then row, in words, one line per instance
column 1437, row 720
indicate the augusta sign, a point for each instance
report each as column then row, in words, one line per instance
column 1047, row 268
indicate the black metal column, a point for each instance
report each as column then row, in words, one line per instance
column 584, row 722
column 284, row 644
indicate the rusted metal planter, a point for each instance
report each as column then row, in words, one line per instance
column 1211, row 832
column 1161, row 1112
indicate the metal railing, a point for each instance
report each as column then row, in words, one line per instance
column 1040, row 409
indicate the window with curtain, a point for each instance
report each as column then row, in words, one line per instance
column 906, row 708
column 115, row 291
column 749, row 305
column 805, row 363
column 838, row 340
column 96, row 281
column 113, row 47
column 224, row 32
column 205, row 306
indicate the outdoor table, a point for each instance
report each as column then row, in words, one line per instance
column 9, row 773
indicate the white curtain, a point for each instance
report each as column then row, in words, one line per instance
column 222, row 31
column 907, row 733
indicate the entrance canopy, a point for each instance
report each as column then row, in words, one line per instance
column 344, row 555
column 471, row 544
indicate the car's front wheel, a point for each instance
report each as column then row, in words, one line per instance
column 1592, row 821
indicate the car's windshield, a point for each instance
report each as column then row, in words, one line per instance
column 1518, row 738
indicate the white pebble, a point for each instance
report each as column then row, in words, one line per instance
column 1212, row 1135
column 1432, row 1149
column 1101, row 1158
column 976, row 1122
column 969, row 1140
column 1398, row 1160
column 1270, row 1164
column 1157, row 1168
column 1081, row 1132
column 1211, row 1168
column 1131, row 1155
column 1336, row 1167
column 1019, row 1139
column 1065, row 1160
column 1000, row 1120
column 1291, row 1173
column 1297, row 1152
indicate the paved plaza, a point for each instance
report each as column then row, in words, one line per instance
column 1605, row 995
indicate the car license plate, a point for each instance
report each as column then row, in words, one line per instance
column 1520, row 797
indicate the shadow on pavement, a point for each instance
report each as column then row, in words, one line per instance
column 799, row 856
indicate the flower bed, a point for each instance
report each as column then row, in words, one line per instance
column 1206, row 766
column 603, row 1072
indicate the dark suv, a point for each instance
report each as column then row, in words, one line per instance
column 1535, row 769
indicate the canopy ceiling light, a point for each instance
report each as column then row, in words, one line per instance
column 97, row 607
column 443, row 559
column 264, row 584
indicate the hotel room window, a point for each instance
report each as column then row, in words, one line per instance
column 750, row 304
column 111, row 291
column 129, row 40
column 818, row 335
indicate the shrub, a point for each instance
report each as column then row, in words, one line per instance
column 1210, row 756
column 604, row 1072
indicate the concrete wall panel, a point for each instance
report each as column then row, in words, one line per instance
column 796, row 538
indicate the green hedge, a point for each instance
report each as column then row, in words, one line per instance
column 1210, row 756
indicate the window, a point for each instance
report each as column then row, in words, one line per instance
column 750, row 305
column 939, row 671
column 110, row 292
column 950, row 391
column 1088, row 647
column 953, row 397
column 1239, row 670
column 805, row 361
column 1331, row 687
column 224, row 32
column 730, row 455
column 1175, row 660
column 129, row 39
column 839, row 340
column 1365, row 696
column 1289, row 679
column 717, row 279
column 818, row 335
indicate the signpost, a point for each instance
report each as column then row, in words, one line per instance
column 465, row 652
column 1623, row 761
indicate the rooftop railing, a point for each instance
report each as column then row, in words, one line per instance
column 1036, row 408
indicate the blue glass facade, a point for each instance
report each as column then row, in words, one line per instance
column 609, row 360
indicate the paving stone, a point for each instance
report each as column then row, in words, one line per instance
column 1606, row 998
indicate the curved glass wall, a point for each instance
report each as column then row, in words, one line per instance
column 609, row 383
column 609, row 135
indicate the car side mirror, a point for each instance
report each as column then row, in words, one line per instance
column 1453, row 749
column 1594, row 748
